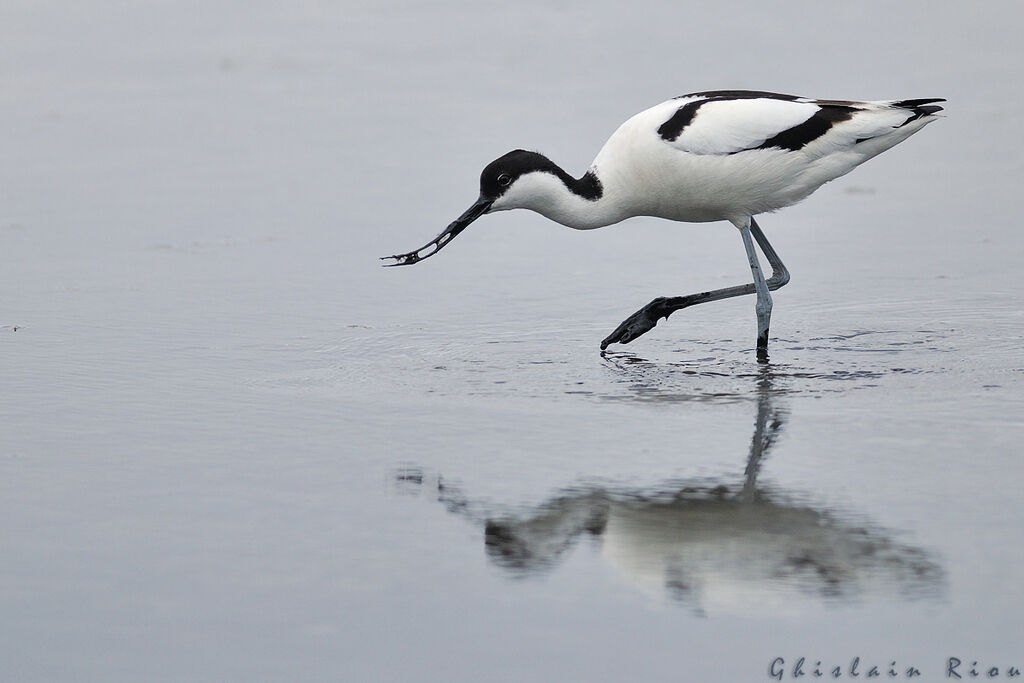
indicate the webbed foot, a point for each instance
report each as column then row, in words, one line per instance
column 639, row 323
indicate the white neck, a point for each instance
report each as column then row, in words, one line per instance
column 548, row 195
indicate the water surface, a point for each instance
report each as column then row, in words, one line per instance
column 234, row 447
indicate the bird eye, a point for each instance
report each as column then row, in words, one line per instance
column 504, row 180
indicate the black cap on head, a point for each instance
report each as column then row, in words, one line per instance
column 499, row 175
column 495, row 180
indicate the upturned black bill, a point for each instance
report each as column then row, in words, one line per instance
column 449, row 233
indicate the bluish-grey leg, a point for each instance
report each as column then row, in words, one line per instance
column 647, row 317
column 763, row 307
column 780, row 274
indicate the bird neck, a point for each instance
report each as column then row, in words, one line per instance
column 588, row 186
column 580, row 203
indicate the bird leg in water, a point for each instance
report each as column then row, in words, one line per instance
column 647, row 317
column 763, row 307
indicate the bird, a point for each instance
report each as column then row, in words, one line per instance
column 717, row 155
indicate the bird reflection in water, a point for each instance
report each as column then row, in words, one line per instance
column 716, row 547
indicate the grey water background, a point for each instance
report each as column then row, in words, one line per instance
column 232, row 447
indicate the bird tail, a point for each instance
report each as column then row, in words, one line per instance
column 920, row 108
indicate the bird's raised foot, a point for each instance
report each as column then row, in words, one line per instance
column 639, row 323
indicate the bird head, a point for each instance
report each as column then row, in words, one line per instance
column 503, row 186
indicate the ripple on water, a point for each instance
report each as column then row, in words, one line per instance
column 504, row 361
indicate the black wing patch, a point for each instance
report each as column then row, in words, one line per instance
column 674, row 126
column 802, row 134
column 797, row 137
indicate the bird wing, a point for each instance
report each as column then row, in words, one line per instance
column 728, row 122
column 703, row 125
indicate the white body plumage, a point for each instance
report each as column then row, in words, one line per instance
column 717, row 168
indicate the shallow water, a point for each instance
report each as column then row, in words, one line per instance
column 234, row 447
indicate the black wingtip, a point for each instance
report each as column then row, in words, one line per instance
column 914, row 104
column 926, row 111
column 921, row 107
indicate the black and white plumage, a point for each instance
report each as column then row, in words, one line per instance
column 708, row 156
